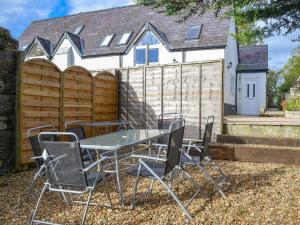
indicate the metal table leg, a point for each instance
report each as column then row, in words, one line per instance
column 118, row 179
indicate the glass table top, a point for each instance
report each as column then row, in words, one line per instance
column 120, row 139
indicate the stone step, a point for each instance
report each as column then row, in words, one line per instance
column 229, row 139
column 256, row 153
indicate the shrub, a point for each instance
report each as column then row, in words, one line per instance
column 284, row 104
column 292, row 104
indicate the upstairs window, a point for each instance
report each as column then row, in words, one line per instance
column 107, row 40
column 193, row 32
column 147, row 50
column 78, row 30
column 37, row 52
column 124, row 39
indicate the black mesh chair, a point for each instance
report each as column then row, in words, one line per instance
column 160, row 168
column 203, row 159
column 66, row 172
column 77, row 128
column 37, row 152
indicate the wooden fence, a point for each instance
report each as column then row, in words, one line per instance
column 49, row 96
column 194, row 89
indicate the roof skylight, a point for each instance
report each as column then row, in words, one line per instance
column 193, row 32
column 78, row 30
column 124, row 39
column 107, row 40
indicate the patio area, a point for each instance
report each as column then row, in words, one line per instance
column 258, row 194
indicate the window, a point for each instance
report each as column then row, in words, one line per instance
column 153, row 55
column 124, row 39
column 148, row 39
column 232, row 85
column 37, row 52
column 78, row 30
column 193, row 32
column 107, row 40
column 147, row 50
column 140, row 56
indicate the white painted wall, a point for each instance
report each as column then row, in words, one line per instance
column 202, row 55
column 261, row 80
column 61, row 59
column 231, row 55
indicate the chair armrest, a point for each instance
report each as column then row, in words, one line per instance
column 148, row 157
column 95, row 164
column 37, row 157
column 193, row 140
column 159, row 145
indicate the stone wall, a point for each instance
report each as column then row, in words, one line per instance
column 9, row 67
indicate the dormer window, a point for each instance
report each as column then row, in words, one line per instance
column 78, row 30
column 124, row 39
column 193, row 32
column 24, row 47
column 37, row 52
column 107, row 40
column 147, row 50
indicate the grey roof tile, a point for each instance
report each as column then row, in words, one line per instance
column 120, row 20
column 253, row 57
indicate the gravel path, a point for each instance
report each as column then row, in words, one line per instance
column 258, row 194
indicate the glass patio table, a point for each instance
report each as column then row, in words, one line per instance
column 113, row 142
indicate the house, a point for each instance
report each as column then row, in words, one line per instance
column 135, row 35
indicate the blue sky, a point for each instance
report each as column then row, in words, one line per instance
column 16, row 15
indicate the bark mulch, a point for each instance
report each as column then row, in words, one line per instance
column 258, row 194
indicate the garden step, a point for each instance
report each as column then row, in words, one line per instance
column 256, row 153
column 230, row 139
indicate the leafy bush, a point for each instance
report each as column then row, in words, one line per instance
column 292, row 104
column 284, row 104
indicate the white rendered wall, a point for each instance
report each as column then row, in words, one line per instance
column 261, row 79
column 231, row 55
column 61, row 60
column 203, row 55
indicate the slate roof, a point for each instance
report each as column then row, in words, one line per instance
column 132, row 18
column 253, row 58
column 45, row 44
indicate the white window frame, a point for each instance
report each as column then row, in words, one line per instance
column 107, row 40
column 147, row 47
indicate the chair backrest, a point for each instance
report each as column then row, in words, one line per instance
column 34, row 142
column 64, row 164
column 175, row 139
column 78, row 130
column 207, row 138
column 164, row 122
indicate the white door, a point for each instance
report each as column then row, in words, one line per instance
column 251, row 97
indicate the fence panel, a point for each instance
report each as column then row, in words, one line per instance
column 39, row 100
column 77, row 99
column 105, row 106
column 194, row 89
column 49, row 96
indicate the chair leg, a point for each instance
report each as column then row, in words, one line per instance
column 86, row 207
column 194, row 183
column 105, row 186
column 169, row 190
column 135, row 187
column 37, row 204
column 210, row 178
column 217, row 168
column 33, row 182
